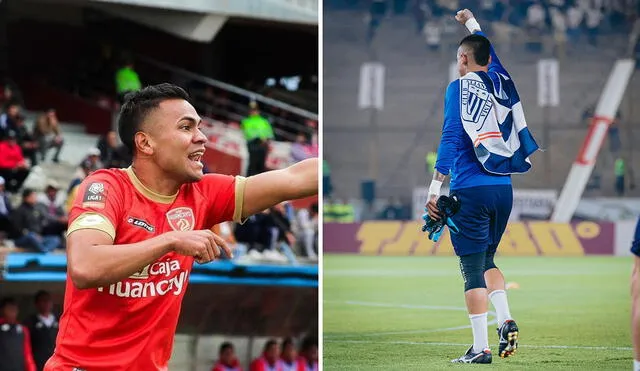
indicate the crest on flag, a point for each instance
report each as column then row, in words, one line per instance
column 475, row 104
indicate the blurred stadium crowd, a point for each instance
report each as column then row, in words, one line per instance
column 568, row 20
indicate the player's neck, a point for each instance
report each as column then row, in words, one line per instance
column 477, row 68
column 155, row 180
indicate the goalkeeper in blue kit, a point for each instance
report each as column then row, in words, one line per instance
column 484, row 140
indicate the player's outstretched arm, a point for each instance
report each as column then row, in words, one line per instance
column 94, row 261
column 272, row 187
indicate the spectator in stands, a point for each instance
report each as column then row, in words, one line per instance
column 393, row 210
column 289, row 355
column 257, row 133
column 327, row 187
column 308, row 229
column 559, row 23
column 6, row 95
column 432, row 33
column 225, row 230
column 8, row 119
column 227, row 360
column 593, row 18
column 377, row 11
column 112, row 155
column 26, row 141
column 314, row 147
column 127, row 80
column 56, row 216
column 251, row 234
column 13, row 167
column 269, row 358
column 535, row 25
column 83, row 172
column 308, row 360
column 93, row 159
column 300, row 149
column 574, row 20
column 43, row 328
column 6, row 226
column 47, row 132
column 30, row 219
column 619, row 172
column 15, row 352
column 282, row 236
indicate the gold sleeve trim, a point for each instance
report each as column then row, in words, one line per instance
column 92, row 221
column 241, row 182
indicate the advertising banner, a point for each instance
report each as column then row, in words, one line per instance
column 535, row 238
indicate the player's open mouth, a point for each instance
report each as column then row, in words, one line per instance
column 196, row 157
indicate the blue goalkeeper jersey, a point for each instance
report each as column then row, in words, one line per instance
column 456, row 155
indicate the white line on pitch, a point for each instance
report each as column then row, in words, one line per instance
column 409, row 306
column 447, row 273
column 466, row 344
column 404, row 306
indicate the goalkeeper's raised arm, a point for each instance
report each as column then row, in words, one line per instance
column 466, row 18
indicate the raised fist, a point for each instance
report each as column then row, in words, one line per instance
column 464, row 15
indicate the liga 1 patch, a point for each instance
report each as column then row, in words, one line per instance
column 95, row 195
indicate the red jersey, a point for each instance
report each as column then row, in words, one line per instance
column 219, row 366
column 303, row 365
column 130, row 325
column 261, row 364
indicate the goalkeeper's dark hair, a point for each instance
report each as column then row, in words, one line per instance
column 137, row 105
column 480, row 46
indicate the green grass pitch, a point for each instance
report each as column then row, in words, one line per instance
column 407, row 313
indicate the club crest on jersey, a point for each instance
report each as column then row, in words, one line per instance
column 95, row 196
column 181, row 219
column 475, row 104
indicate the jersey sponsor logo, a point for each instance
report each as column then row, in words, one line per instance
column 172, row 281
column 91, row 220
column 159, row 268
column 141, row 223
column 475, row 104
column 95, row 195
column 181, row 219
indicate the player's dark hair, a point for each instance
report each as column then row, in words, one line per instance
column 481, row 48
column 27, row 192
column 137, row 106
column 286, row 342
column 269, row 344
column 224, row 346
column 8, row 301
column 40, row 294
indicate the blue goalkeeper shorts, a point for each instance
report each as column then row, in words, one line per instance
column 482, row 218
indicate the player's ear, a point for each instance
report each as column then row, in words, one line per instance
column 143, row 143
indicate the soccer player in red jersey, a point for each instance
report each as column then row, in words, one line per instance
column 269, row 360
column 134, row 234
column 227, row 360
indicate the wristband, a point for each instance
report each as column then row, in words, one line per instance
column 472, row 25
column 434, row 188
